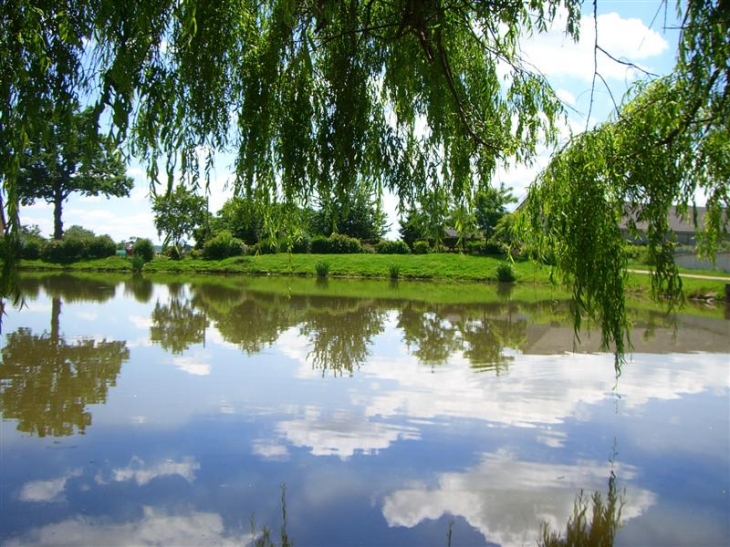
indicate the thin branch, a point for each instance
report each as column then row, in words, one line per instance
column 625, row 63
column 595, row 62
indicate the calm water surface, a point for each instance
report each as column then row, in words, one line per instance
column 173, row 414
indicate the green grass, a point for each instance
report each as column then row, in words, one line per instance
column 433, row 267
column 110, row 264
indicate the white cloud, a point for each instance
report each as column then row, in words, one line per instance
column 507, row 499
column 269, row 450
column 156, row 527
column 193, row 364
column 342, row 434
column 629, row 40
column 142, row 473
column 566, row 96
column 49, row 491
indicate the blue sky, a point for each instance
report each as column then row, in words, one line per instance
column 630, row 30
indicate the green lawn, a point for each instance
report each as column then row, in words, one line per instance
column 437, row 267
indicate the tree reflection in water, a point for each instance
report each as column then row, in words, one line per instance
column 47, row 382
column 435, row 333
column 176, row 325
column 340, row 332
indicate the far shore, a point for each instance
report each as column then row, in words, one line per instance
column 702, row 285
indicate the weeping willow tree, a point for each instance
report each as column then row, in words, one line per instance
column 311, row 96
column 669, row 143
column 317, row 97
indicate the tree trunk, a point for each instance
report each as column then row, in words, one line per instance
column 57, row 209
column 55, row 319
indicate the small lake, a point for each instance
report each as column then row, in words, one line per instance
column 181, row 412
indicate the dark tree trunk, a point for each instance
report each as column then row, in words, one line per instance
column 55, row 319
column 57, row 210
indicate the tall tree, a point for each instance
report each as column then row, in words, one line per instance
column 358, row 215
column 178, row 213
column 490, row 205
column 66, row 158
column 319, row 96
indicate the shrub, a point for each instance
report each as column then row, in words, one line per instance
column 266, row 246
column 53, row 251
column 421, row 247
column 31, row 247
column 172, row 252
column 101, row 247
column 493, row 248
column 64, row 250
column 505, row 273
column 137, row 263
column 144, row 249
column 475, row 247
column 301, row 245
column 320, row 245
column 223, row 245
column 322, row 268
column 398, row 247
column 342, row 244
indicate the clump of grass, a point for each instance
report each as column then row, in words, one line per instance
column 137, row 263
column 322, row 268
column 394, row 271
column 590, row 528
column 505, row 273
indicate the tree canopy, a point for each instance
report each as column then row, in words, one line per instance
column 64, row 160
column 667, row 143
column 178, row 213
column 314, row 97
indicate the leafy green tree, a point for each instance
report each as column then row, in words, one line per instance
column 242, row 219
column 670, row 140
column 178, row 213
column 490, row 205
column 413, row 228
column 64, row 159
column 144, row 249
column 358, row 215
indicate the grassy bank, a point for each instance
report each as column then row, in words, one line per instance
column 436, row 267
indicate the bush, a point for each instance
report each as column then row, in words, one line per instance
column 266, row 246
column 394, row 271
column 421, row 247
column 341, row 244
column 32, row 247
column 320, row 245
column 65, row 250
column 493, row 248
column 398, row 247
column 223, row 245
column 172, row 252
column 301, row 245
column 505, row 273
column 475, row 247
column 143, row 249
column 137, row 263
column 101, row 247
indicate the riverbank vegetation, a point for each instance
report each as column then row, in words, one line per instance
column 441, row 267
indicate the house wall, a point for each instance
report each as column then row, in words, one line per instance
column 690, row 261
